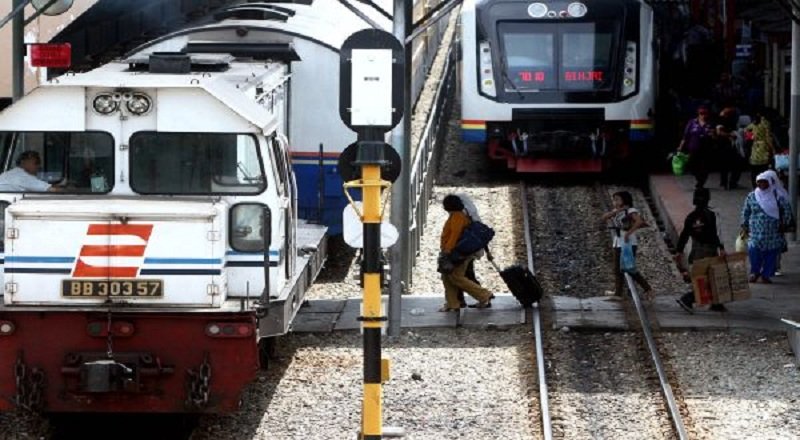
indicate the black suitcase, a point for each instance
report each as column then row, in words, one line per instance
column 522, row 284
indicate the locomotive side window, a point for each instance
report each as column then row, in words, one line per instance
column 196, row 163
column 78, row 162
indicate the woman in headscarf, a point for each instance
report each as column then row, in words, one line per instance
column 780, row 192
column 764, row 216
column 455, row 278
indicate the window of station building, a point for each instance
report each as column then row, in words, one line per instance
column 529, row 56
column 196, row 163
column 72, row 162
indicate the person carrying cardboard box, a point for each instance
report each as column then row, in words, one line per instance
column 701, row 226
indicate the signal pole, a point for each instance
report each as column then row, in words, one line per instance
column 370, row 103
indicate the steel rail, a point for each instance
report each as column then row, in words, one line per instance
column 544, row 401
column 666, row 388
column 644, row 320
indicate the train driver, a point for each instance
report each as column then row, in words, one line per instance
column 22, row 178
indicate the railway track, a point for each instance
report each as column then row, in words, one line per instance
column 597, row 390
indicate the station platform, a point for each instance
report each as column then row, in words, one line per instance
column 769, row 303
column 673, row 196
column 418, row 311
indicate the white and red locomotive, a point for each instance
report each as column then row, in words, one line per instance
column 170, row 252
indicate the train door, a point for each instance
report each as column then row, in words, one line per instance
column 287, row 192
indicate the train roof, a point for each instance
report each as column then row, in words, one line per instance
column 325, row 22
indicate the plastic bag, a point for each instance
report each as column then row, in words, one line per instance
column 741, row 242
column 627, row 260
column 679, row 161
column 782, row 162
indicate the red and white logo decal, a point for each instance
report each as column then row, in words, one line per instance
column 116, row 251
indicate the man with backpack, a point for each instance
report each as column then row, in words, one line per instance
column 454, row 264
column 701, row 226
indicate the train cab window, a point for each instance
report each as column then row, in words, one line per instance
column 196, row 163
column 528, row 56
column 73, row 162
column 558, row 56
column 586, row 58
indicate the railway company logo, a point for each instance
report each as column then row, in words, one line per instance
column 113, row 251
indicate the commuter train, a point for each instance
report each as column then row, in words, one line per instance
column 557, row 86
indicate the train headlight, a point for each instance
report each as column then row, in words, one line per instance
column 105, row 104
column 630, row 69
column 577, row 9
column 139, row 104
column 537, row 10
column 486, row 69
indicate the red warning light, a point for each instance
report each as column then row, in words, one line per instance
column 51, row 55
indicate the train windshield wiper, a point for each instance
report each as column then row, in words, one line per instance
column 511, row 83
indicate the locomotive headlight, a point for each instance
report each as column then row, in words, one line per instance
column 6, row 328
column 105, row 104
column 139, row 104
column 537, row 10
column 577, row 9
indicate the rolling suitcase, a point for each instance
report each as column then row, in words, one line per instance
column 522, row 284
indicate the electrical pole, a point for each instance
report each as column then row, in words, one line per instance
column 401, row 261
column 794, row 121
column 18, row 52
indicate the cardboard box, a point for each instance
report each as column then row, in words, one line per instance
column 718, row 280
column 729, row 279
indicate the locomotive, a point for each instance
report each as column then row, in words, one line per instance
column 166, row 251
column 557, row 86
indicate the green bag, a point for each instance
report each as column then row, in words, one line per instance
column 679, row 161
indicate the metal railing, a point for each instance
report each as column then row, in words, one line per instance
column 424, row 165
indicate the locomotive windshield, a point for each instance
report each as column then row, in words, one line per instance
column 196, row 163
column 72, row 162
column 563, row 56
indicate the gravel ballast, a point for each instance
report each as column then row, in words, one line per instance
column 445, row 384
column 737, row 385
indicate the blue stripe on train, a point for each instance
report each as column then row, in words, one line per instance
column 470, row 135
column 641, row 135
column 309, row 188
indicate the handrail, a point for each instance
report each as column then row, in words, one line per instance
column 423, row 165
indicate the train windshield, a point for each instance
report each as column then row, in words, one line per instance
column 70, row 162
column 196, row 163
column 563, row 56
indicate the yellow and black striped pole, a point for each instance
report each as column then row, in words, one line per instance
column 372, row 315
column 370, row 158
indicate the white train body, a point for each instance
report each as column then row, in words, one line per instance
column 557, row 85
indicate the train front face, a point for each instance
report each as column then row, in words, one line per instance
column 559, row 85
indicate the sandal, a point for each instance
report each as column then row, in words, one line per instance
column 483, row 305
column 448, row 309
